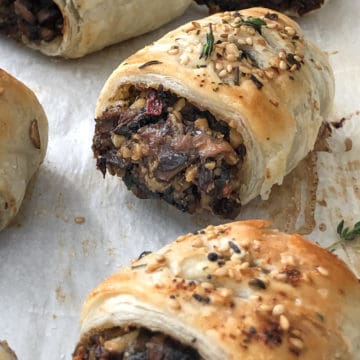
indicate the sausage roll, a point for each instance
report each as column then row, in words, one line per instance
column 214, row 113
column 23, row 143
column 290, row 7
column 74, row 28
column 5, row 352
column 235, row 291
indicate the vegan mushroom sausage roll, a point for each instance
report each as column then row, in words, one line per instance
column 290, row 7
column 236, row 291
column 74, row 28
column 214, row 113
column 23, row 143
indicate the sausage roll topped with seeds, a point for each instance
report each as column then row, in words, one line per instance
column 23, row 143
column 75, row 28
column 290, row 7
column 235, row 291
column 214, row 113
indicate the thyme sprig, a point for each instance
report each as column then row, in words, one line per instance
column 256, row 23
column 345, row 234
column 209, row 46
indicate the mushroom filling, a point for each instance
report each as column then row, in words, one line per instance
column 136, row 344
column 164, row 146
column 300, row 6
column 26, row 20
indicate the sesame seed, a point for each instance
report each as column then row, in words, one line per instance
column 282, row 55
column 322, row 271
column 296, row 343
column 249, row 41
column 222, row 73
column 225, row 292
column 207, row 285
column 291, row 31
column 234, row 247
column 184, row 59
column 244, row 265
column 272, row 25
column 212, row 256
column 221, row 272
column 229, row 68
column 318, row 65
column 231, row 57
column 264, row 308
column 278, row 309
column 293, row 68
column 241, row 42
column 283, row 65
column 173, row 51
column 174, row 304
column 298, row 302
column 218, row 66
column 284, row 323
column 297, row 58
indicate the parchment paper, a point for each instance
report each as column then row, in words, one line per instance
column 48, row 263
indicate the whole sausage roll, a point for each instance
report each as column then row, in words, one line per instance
column 5, row 352
column 289, row 7
column 214, row 113
column 235, row 291
column 23, row 143
column 74, row 28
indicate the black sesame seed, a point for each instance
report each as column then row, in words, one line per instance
column 198, row 297
column 252, row 330
column 256, row 81
column 257, row 283
column 209, row 277
column 206, row 300
column 193, row 340
column 213, row 256
column 172, row 296
column 221, row 262
column 143, row 254
column 234, row 247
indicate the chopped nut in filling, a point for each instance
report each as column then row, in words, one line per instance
column 27, row 20
column 136, row 344
column 164, row 146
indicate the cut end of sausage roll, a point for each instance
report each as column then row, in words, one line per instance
column 164, row 146
column 291, row 7
column 133, row 343
column 31, row 21
column 236, row 291
column 214, row 113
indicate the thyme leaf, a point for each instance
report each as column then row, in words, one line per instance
column 209, row 46
column 345, row 234
column 256, row 23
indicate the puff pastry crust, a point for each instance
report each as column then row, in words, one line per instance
column 236, row 291
column 290, row 7
column 23, row 143
column 90, row 25
column 252, row 69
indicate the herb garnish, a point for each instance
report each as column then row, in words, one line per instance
column 152, row 62
column 256, row 23
column 345, row 234
column 208, row 47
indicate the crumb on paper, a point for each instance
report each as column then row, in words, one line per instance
column 79, row 220
column 60, row 296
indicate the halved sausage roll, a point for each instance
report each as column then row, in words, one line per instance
column 214, row 113
column 23, row 143
column 236, row 291
column 75, row 28
column 289, row 7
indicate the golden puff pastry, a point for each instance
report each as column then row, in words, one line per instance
column 23, row 143
column 72, row 29
column 289, row 7
column 5, row 352
column 235, row 291
column 216, row 112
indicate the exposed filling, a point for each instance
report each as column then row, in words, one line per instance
column 136, row 344
column 300, row 6
column 164, row 146
column 27, row 20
